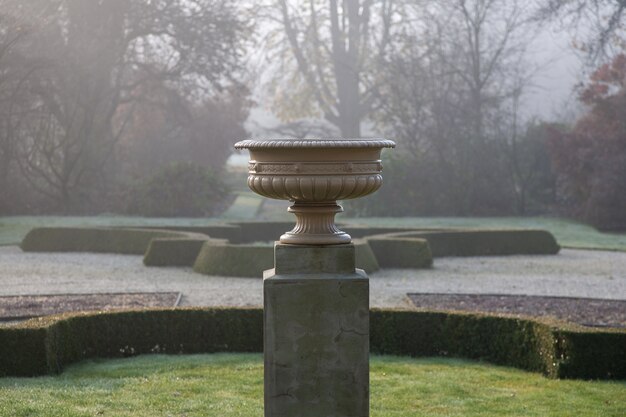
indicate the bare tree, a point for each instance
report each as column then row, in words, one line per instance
column 331, row 56
column 16, row 73
column 603, row 18
column 103, row 54
column 447, row 93
column 168, row 127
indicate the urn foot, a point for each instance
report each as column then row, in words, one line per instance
column 315, row 225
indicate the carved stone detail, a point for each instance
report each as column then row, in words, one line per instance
column 314, row 174
column 315, row 143
column 314, row 188
column 313, row 168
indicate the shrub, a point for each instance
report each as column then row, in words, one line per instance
column 230, row 232
column 591, row 159
column 364, row 256
column 103, row 240
column 557, row 349
column 181, row 189
column 218, row 258
column 486, row 242
column 172, row 252
column 23, row 350
column 524, row 343
column 401, row 252
column 263, row 231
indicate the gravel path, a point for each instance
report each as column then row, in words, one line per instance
column 573, row 273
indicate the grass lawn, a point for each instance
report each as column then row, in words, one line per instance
column 245, row 207
column 224, row 385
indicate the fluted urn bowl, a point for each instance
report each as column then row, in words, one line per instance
column 314, row 174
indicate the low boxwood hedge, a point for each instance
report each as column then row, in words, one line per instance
column 23, row 350
column 223, row 259
column 172, row 252
column 263, row 231
column 486, row 242
column 230, row 232
column 364, row 256
column 559, row 350
column 184, row 246
column 103, row 240
column 359, row 232
column 401, row 252
column 234, row 260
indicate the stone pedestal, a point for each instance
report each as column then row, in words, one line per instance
column 316, row 333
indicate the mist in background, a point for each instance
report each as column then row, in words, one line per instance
column 499, row 107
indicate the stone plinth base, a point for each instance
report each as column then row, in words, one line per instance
column 316, row 340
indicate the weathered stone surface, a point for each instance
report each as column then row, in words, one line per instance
column 305, row 259
column 316, row 339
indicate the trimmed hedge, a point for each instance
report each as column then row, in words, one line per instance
column 401, row 252
column 183, row 246
column 234, row 260
column 364, row 257
column 359, row 232
column 231, row 232
column 523, row 343
column 223, row 259
column 263, row 231
column 172, row 252
column 600, row 355
column 559, row 350
column 102, row 240
column 23, row 350
column 486, row 242
column 128, row 333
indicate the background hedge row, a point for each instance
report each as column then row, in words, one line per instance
column 558, row 350
column 128, row 241
column 486, row 242
column 220, row 249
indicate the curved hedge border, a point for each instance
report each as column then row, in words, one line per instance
column 225, row 259
column 401, row 252
column 486, row 242
column 103, row 240
column 559, row 350
column 217, row 249
column 173, row 251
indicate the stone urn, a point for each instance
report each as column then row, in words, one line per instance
column 314, row 174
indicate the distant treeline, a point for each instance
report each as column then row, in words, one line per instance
column 99, row 98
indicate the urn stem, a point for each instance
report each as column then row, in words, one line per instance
column 315, row 224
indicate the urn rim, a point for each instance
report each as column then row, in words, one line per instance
column 287, row 143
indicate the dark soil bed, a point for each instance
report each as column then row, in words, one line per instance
column 27, row 306
column 586, row 311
